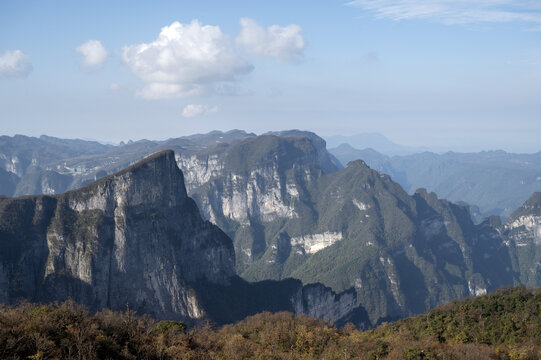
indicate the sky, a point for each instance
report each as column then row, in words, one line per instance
column 440, row 74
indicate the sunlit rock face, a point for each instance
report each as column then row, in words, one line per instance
column 291, row 212
column 311, row 244
column 522, row 232
column 133, row 238
column 252, row 185
column 353, row 229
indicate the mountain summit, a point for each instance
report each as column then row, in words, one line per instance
column 133, row 238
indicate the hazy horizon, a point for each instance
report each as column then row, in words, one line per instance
column 407, row 149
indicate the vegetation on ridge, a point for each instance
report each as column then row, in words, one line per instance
column 503, row 325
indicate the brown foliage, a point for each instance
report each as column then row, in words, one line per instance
column 501, row 326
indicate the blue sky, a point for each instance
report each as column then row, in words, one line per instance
column 460, row 75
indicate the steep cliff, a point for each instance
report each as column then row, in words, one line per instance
column 133, row 238
column 522, row 232
column 351, row 230
column 238, row 299
column 402, row 254
column 291, row 212
column 136, row 239
column 245, row 187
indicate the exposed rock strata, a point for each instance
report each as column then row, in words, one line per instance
column 522, row 232
column 136, row 239
column 132, row 238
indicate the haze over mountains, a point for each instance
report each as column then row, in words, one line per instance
column 289, row 210
column 496, row 182
column 491, row 182
column 374, row 141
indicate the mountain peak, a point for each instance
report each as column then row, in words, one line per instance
column 358, row 163
column 534, row 200
column 531, row 207
column 165, row 157
column 131, row 237
column 156, row 180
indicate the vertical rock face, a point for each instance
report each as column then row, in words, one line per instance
column 357, row 230
column 248, row 185
column 136, row 239
column 320, row 302
column 133, row 238
column 292, row 215
column 522, row 232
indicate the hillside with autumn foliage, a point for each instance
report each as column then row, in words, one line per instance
column 502, row 325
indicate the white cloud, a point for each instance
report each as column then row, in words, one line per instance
column 454, row 11
column 93, row 54
column 184, row 60
column 193, row 110
column 15, row 64
column 284, row 43
column 114, row 86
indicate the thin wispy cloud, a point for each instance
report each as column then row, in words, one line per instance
column 451, row 12
column 284, row 43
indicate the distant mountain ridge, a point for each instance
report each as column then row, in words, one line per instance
column 495, row 181
column 47, row 165
column 372, row 140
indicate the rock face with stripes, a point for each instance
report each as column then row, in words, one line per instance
column 353, row 230
column 290, row 211
column 133, row 239
column 522, row 233
column 136, row 239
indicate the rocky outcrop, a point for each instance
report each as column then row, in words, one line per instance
column 133, row 238
column 227, row 303
column 311, row 244
column 321, row 302
column 136, row 239
column 357, row 229
column 291, row 214
column 258, row 181
column 522, row 232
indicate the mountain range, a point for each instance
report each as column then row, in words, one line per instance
column 373, row 141
column 300, row 232
column 134, row 238
column 491, row 182
column 349, row 229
